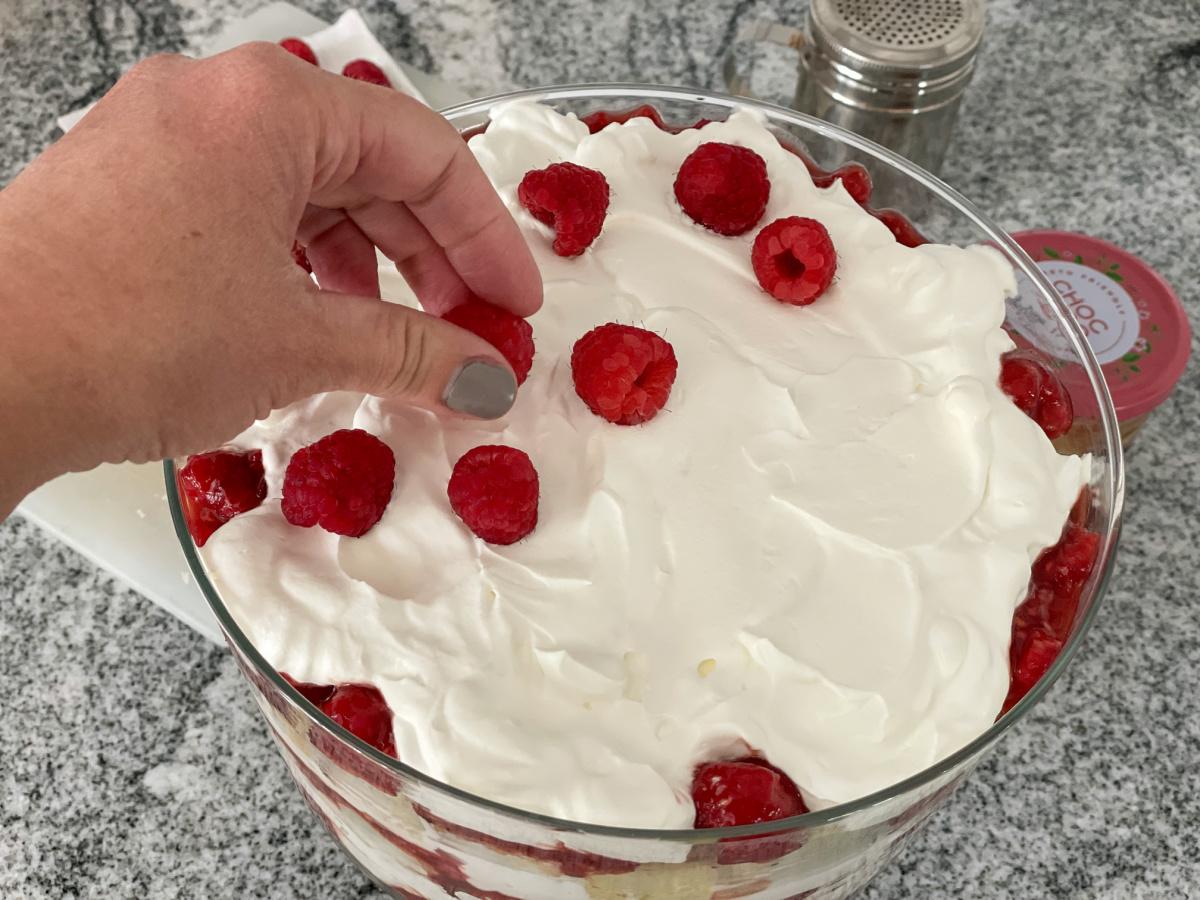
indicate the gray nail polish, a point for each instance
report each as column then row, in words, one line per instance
column 481, row 389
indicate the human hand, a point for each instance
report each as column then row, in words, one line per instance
column 151, row 304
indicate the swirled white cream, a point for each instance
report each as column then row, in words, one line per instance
column 815, row 549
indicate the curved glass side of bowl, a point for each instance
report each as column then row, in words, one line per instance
column 417, row 837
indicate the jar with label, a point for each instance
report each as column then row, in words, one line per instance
column 1133, row 320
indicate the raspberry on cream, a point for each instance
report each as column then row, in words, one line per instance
column 624, row 374
column 573, row 199
column 815, row 550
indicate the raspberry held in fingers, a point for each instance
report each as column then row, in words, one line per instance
column 343, row 483
column 365, row 70
column 794, row 260
column 624, row 374
column 494, row 490
column 297, row 47
column 511, row 335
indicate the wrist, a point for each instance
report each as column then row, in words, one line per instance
column 33, row 431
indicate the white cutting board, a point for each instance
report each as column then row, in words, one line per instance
column 117, row 516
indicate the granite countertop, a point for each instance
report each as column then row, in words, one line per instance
column 135, row 764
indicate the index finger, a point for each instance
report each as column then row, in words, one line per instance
column 371, row 143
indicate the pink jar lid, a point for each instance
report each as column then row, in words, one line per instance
column 1134, row 321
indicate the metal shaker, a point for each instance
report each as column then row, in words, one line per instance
column 893, row 71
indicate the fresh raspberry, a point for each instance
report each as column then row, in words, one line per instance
column 365, row 70
column 794, row 260
column 494, row 490
column 218, row 485
column 1038, row 393
column 624, row 374
column 571, row 198
column 743, row 792
column 300, row 256
column 854, row 178
column 723, row 187
column 343, row 483
column 511, row 335
column 316, row 694
column 297, row 47
column 362, row 711
column 904, row 231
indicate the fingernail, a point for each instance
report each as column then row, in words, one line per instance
column 481, row 389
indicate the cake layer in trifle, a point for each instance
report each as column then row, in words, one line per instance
column 811, row 554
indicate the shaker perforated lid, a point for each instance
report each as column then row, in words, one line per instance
column 923, row 39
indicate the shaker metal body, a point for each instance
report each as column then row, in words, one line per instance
column 893, row 71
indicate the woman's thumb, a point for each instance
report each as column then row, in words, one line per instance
column 393, row 351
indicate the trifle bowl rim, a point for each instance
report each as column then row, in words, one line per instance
column 633, row 94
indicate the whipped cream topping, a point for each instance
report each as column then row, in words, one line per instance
column 814, row 550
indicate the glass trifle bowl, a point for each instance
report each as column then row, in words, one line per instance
column 420, row 838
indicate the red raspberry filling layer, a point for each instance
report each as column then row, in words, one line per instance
column 1038, row 393
column 723, row 187
column 218, row 485
column 297, row 47
column 858, row 185
column 316, row 694
column 572, row 198
column 343, row 483
column 508, row 333
column 359, row 708
column 624, row 374
column 1042, row 624
column 794, row 260
column 743, row 792
column 365, row 70
column 904, row 231
column 854, row 178
column 494, row 490
column 601, row 119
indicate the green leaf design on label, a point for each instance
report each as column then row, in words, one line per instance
column 1051, row 252
column 1115, row 266
column 1115, row 277
column 1153, row 328
column 1131, row 357
column 1079, row 259
column 1135, row 369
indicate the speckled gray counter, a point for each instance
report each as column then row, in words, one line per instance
column 133, row 761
